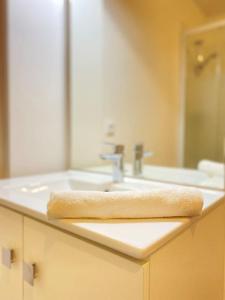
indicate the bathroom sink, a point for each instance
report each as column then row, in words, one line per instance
column 41, row 186
column 45, row 188
column 34, row 191
column 38, row 188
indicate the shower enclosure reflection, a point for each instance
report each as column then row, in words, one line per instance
column 205, row 97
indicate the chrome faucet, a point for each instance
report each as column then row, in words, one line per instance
column 117, row 159
column 138, row 155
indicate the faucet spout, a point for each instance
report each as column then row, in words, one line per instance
column 116, row 158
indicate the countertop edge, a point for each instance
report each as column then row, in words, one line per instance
column 112, row 244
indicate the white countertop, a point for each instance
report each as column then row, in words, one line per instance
column 135, row 238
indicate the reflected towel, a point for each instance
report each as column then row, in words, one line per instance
column 211, row 168
column 179, row 202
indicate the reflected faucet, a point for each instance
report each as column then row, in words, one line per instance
column 117, row 159
column 138, row 156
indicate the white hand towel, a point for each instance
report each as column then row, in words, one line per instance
column 211, row 168
column 186, row 202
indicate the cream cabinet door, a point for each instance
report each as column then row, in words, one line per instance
column 190, row 267
column 11, row 238
column 70, row 268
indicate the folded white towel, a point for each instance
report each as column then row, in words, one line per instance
column 211, row 168
column 186, row 202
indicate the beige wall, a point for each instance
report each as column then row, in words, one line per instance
column 216, row 18
column 3, row 158
column 36, row 87
column 126, row 68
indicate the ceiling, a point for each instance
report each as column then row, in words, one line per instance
column 212, row 7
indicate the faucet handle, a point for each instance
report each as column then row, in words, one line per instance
column 148, row 153
column 139, row 155
column 139, row 147
column 117, row 148
column 112, row 157
column 139, row 151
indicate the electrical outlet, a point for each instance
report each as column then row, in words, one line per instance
column 110, row 128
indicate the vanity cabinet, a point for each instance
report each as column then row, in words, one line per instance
column 70, row 268
column 191, row 266
column 50, row 264
column 11, row 247
column 187, row 267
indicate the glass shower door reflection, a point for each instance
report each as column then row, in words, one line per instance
column 205, row 97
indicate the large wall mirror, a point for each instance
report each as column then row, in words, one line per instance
column 146, row 79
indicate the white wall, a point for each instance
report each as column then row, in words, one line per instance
column 126, row 68
column 36, row 86
column 3, row 91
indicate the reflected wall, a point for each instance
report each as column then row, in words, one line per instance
column 125, row 71
column 126, row 60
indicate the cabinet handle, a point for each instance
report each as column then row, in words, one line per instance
column 29, row 273
column 8, row 257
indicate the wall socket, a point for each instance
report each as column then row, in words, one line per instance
column 109, row 128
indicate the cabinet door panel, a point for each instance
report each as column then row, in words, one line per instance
column 11, row 237
column 191, row 266
column 70, row 268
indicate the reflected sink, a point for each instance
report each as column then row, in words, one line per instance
column 169, row 174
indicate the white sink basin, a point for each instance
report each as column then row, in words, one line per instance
column 41, row 186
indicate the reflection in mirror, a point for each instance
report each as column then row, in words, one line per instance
column 205, row 96
column 134, row 111
column 205, row 101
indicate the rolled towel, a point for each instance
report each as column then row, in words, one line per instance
column 179, row 202
column 211, row 168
